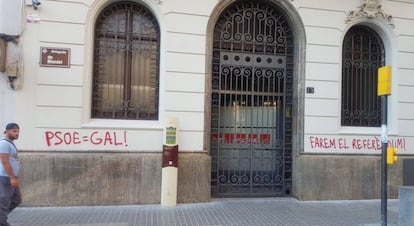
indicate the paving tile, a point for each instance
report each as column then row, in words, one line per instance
column 218, row 212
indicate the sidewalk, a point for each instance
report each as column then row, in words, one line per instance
column 218, row 212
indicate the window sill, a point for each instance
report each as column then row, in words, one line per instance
column 363, row 131
column 123, row 124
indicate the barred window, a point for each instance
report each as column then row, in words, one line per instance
column 363, row 53
column 126, row 63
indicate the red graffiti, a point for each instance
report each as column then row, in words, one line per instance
column 342, row 143
column 374, row 143
column 322, row 142
column 399, row 143
column 56, row 138
column 241, row 138
column 370, row 144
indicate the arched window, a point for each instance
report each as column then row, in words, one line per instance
column 126, row 63
column 363, row 53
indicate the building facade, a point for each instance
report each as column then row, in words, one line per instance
column 272, row 97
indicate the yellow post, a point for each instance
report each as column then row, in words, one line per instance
column 384, row 81
column 391, row 155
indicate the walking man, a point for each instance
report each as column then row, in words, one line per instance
column 10, row 196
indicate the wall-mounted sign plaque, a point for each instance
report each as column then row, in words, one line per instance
column 54, row 57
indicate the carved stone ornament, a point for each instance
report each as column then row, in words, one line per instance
column 370, row 9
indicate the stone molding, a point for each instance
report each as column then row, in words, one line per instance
column 370, row 9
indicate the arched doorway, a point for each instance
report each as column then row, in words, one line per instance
column 251, row 101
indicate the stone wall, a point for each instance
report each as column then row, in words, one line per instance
column 65, row 179
column 326, row 177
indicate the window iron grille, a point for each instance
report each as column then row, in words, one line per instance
column 363, row 54
column 126, row 59
column 252, row 80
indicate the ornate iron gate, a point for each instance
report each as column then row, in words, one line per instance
column 252, row 80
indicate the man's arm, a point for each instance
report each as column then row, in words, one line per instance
column 4, row 158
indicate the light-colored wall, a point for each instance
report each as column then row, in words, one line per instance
column 325, row 28
column 57, row 100
column 53, row 104
column 54, row 101
column 54, row 107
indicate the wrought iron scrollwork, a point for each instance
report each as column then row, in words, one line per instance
column 126, row 58
column 252, row 83
column 363, row 54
